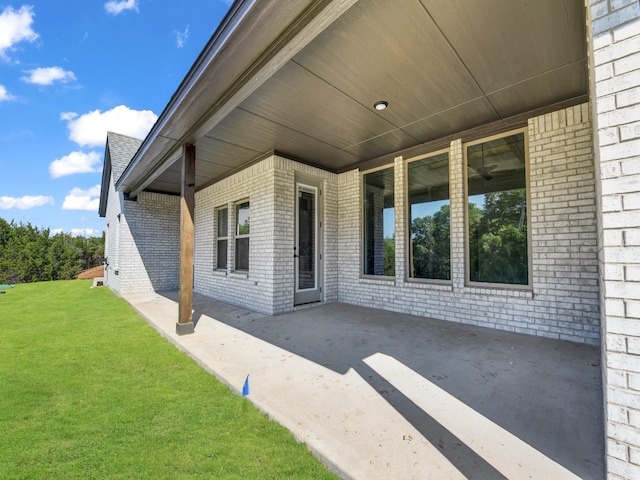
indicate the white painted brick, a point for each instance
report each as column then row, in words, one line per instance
column 626, row 290
column 632, row 308
column 631, row 238
column 619, row 151
column 628, row 63
column 608, row 136
column 632, row 273
column 623, row 469
column 617, row 450
column 630, row 166
column 634, row 455
column 628, row 97
column 634, row 379
column 629, row 363
column 614, row 271
column 620, row 220
column 630, row 132
column 617, row 343
column 631, row 201
column 602, row 40
column 599, row 9
column 617, row 378
column 633, row 418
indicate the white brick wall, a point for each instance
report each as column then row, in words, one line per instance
column 112, row 236
column 150, row 243
column 564, row 300
column 563, row 221
column 270, row 187
column 614, row 48
column 142, row 242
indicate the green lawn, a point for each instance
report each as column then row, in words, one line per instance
column 89, row 390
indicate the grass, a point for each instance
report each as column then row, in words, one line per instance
column 89, row 390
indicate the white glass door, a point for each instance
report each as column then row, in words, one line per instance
column 307, row 254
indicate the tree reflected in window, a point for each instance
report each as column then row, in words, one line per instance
column 497, row 211
column 429, row 213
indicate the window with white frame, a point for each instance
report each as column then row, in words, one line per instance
column 379, row 223
column 222, row 233
column 242, row 236
column 429, row 217
column 497, row 241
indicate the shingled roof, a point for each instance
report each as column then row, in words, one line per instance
column 121, row 149
column 118, row 152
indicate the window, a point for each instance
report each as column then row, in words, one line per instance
column 379, row 223
column 242, row 236
column 497, row 211
column 429, row 215
column 222, row 232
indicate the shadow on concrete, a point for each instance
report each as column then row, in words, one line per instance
column 546, row 392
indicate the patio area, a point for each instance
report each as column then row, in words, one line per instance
column 376, row 394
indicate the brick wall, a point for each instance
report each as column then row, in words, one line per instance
column 150, row 243
column 614, row 48
column 142, row 242
column 270, row 187
column 563, row 302
column 563, row 222
column 112, row 238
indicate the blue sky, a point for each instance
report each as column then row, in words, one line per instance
column 70, row 70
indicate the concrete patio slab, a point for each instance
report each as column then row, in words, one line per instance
column 378, row 395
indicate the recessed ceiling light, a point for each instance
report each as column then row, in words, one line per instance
column 380, row 105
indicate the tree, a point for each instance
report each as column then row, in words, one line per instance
column 29, row 254
column 498, row 238
column 431, row 243
column 65, row 257
column 389, row 257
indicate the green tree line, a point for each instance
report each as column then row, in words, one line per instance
column 497, row 240
column 30, row 254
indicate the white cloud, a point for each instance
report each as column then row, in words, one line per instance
column 77, row 232
column 68, row 115
column 4, row 95
column 75, row 162
column 48, row 75
column 15, row 26
column 26, row 202
column 79, row 199
column 83, row 232
column 114, row 7
column 90, row 129
column 181, row 37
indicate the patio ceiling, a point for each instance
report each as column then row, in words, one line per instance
column 301, row 77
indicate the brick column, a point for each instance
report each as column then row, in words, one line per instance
column 614, row 44
column 400, row 220
column 457, row 215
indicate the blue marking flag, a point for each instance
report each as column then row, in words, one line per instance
column 245, row 387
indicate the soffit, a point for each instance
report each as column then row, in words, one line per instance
column 444, row 67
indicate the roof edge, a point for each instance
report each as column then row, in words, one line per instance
column 104, row 186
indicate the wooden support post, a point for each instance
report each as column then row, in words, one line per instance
column 187, row 203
